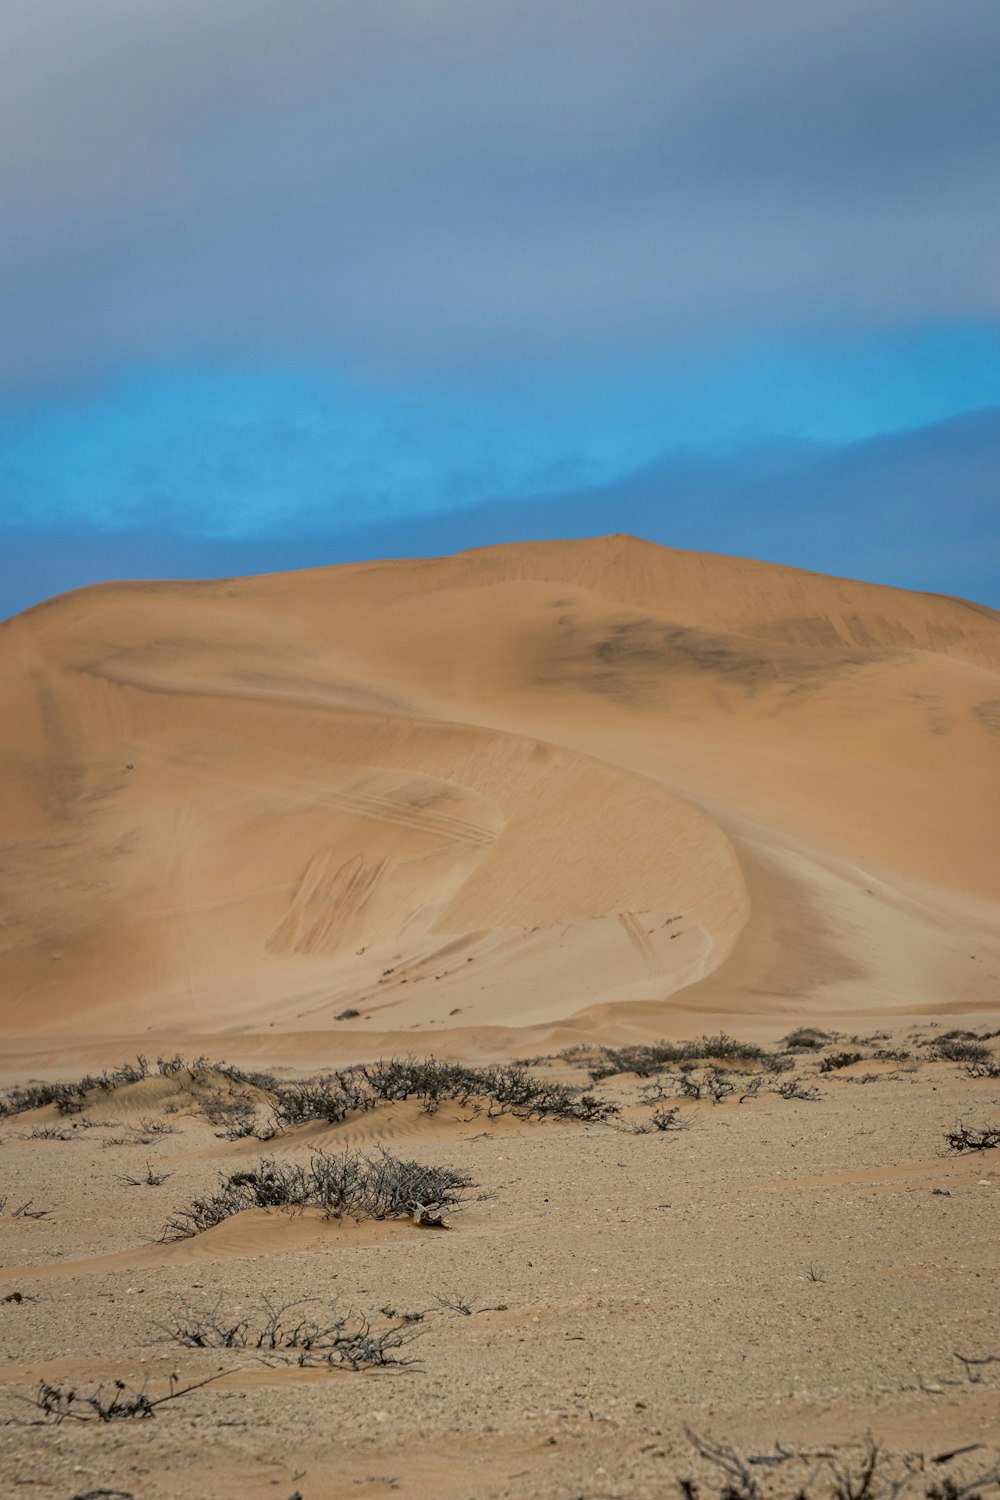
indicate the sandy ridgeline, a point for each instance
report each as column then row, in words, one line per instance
column 554, row 802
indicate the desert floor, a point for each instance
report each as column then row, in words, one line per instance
column 788, row 1276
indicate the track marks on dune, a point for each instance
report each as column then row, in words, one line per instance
column 411, row 808
column 639, row 938
column 414, row 803
column 328, row 896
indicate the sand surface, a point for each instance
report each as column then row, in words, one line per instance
column 495, row 806
column 788, row 1276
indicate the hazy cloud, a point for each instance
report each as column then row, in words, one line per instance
column 401, row 184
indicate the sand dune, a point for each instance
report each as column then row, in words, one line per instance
column 541, row 792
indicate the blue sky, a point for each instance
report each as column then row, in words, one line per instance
column 283, row 285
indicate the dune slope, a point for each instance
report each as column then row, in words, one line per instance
column 554, row 791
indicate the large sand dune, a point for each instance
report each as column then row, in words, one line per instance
column 529, row 794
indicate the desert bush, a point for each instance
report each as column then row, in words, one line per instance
column 348, row 1185
column 794, row 1088
column 25, row 1210
column 236, row 1115
column 506, row 1088
column 265, row 1082
column 807, row 1039
column 653, row 1057
column 753, row 1087
column 36, row 1096
column 873, row 1475
column 667, row 1119
column 322, row 1099
column 989, row 1069
column 70, row 1098
column 144, row 1133
column 466, row 1305
column 409, row 1077
column 515, row 1091
column 973, row 1138
column 107, row 1402
column 836, row 1060
column 349, row 1341
column 169, row 1067
column 956, row 1049
column 151, row 1179
column 714, row 1084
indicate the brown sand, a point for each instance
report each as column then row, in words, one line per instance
column 498, row 805
column 511, row 797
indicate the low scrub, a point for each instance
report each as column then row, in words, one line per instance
column 654, row 1057
column 868, row 1474
column 235, row 1115
column 503, row 1089
column 108, row 1402
column 807, row 1039
column 836, row 1060
column 291, row 1332
column 70, row 1098
column 348, row 1185
column 960, row 1050
column 989, row 1069
column 973, row 1138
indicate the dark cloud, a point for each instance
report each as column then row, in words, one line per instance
column 917, row 509
column 403, row 183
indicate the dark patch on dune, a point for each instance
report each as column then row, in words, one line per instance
column 59, row 776
column 633, row 659
column 988, row 714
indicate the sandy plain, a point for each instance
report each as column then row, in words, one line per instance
column 570, row 795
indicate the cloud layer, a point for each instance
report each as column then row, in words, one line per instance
column 407, row 184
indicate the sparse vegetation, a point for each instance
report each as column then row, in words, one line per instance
column 503, row 1089
column 151, row 1179
column 972, row 1138
column 70, row 1098
column 144, row 1133
column 990, row 1069
column 108, row 1402
column 807, row 1039
column 836, row 1060
column 873, row 1475
column 236, row 1115
column 961, row 1050
column 348, row 1185
column 25, row 1210
column 350, row 1341
column 794, row 1088
column 714, row 1085
column 466, row 1306
column 654, row 1057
